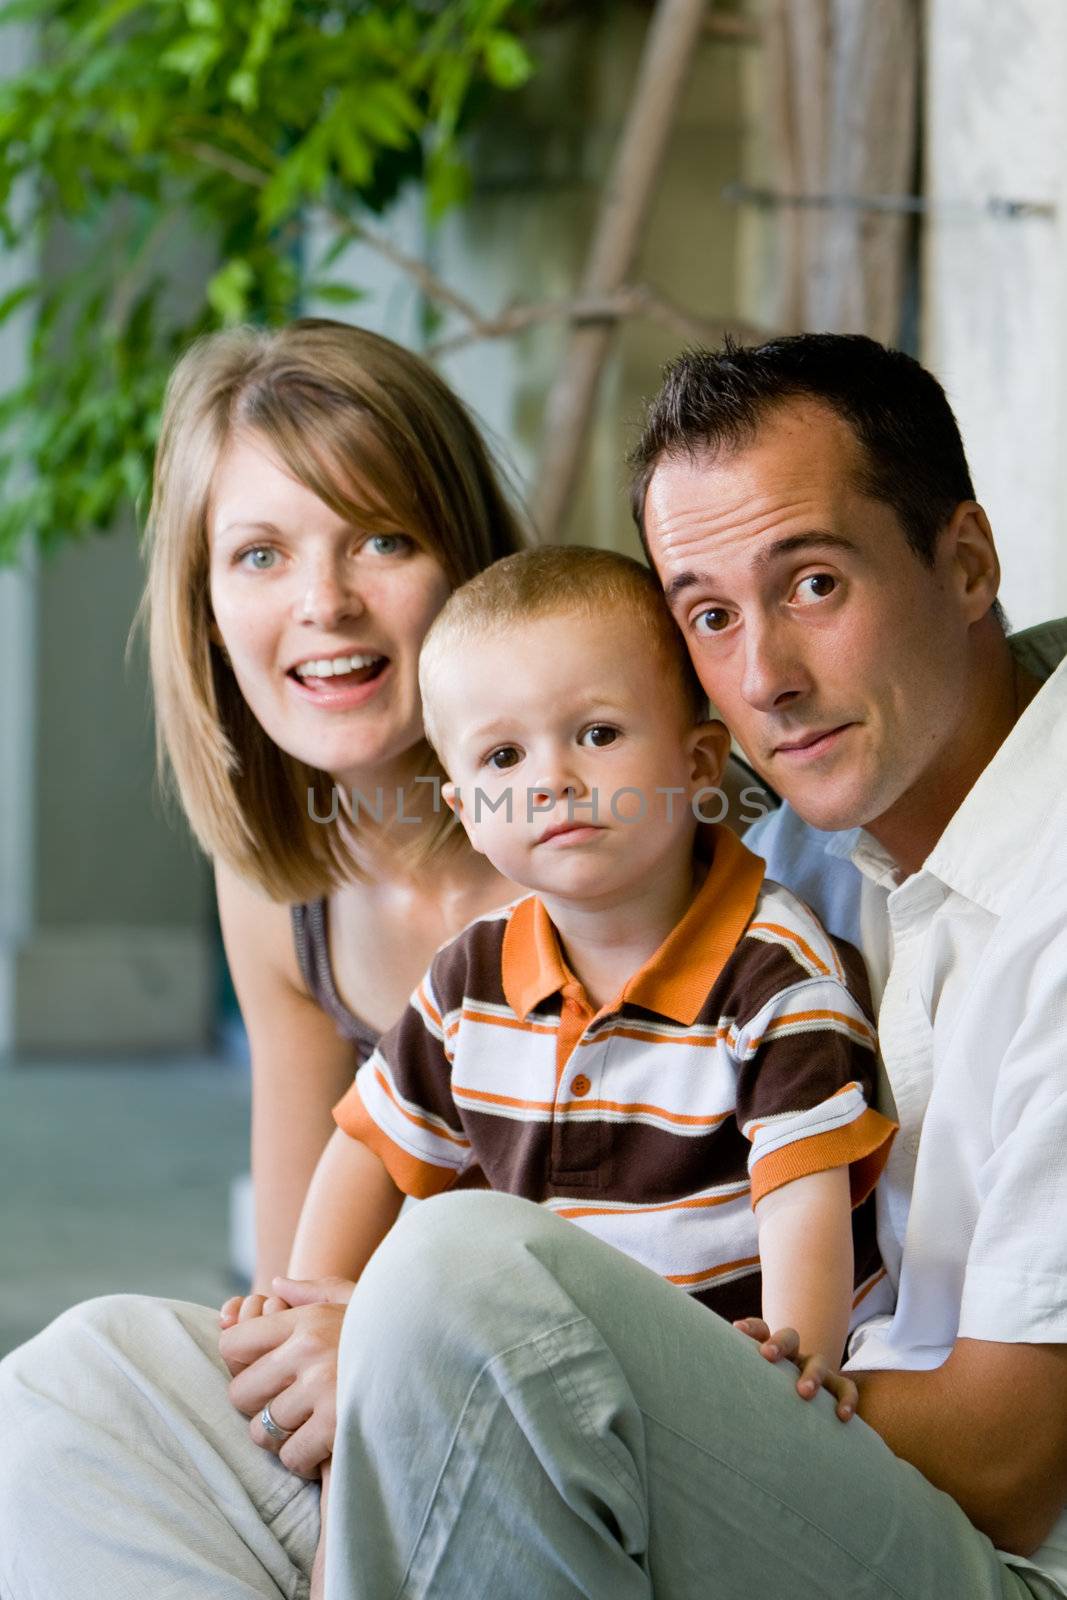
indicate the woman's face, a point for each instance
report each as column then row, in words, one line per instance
column 322, row 621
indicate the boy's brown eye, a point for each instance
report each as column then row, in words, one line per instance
column 600, row 735
column 503, row 758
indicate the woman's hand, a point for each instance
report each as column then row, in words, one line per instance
column 816, row 1372
column 288, row 1360
column 239, row 1308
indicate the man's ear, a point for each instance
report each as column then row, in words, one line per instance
column 453, row 800
column 967, row 543
column 708, row 747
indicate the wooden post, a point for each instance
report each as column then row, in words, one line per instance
column 673, row 35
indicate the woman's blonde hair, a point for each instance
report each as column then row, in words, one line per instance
column 349, row 414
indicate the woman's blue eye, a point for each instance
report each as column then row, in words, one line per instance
column 261, row 558
column 388, row 544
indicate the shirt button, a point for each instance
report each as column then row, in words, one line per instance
column 580, row 1085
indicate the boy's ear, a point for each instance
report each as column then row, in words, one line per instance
column 709, row 751
column 451, row 796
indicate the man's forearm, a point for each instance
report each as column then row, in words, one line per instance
column 961, row 1434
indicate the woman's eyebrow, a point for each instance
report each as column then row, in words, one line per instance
column 239, row 523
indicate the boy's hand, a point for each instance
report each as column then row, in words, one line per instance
column 816, row 1372
column 239, row 1308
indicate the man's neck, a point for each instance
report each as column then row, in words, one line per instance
column 606, row 941
column 911, row 828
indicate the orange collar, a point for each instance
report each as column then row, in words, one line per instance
column 675, row 981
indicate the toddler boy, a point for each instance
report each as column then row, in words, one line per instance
column 655, row 1043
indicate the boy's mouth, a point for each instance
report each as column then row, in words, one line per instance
column 563, row 829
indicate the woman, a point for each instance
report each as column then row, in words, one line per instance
column 318, row 492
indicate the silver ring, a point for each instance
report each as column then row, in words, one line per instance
column 271, row 1427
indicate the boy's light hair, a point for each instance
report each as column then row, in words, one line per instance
column 556, row 580
column 379, row 438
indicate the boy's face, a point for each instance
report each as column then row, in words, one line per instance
column 561, row 738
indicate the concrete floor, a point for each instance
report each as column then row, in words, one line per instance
column 115, row 1177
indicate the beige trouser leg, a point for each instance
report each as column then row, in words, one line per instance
column 125, row 1473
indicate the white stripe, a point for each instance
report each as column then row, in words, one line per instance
column 442, row 1150
column 777, row 1132
column 678, row 1242
column 812, row 994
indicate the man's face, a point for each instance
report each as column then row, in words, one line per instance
column 836, row 657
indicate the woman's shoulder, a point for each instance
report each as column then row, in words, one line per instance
column 257, row 932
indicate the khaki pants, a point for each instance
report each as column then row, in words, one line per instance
column 524, row 1415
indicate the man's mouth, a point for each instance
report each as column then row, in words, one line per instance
column 813, row 743
column 340, row 671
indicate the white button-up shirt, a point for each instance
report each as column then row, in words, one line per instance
column 969, row 955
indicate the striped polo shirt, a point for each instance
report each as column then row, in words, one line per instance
column 739, row 1057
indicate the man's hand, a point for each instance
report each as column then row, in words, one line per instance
column 288, row 1360
column 816, row 1372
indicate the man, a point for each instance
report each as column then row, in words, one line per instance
column 524, row 1412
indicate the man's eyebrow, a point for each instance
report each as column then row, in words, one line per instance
column 792, row 544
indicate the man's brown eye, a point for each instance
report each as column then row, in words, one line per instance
column 714, row 620
column 820, row 584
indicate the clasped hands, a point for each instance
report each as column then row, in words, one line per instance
column 281, row 1351
column 816, row 1372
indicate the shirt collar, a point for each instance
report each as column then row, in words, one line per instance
column 675, row 981
column 978, row 855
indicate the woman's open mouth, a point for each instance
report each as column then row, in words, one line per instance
column 339, row 672
column 338, row 680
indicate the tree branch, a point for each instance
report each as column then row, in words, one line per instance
column 632, row 300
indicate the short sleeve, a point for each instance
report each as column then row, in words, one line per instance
column 807, row 1065
column 1016, row 1270
column 401, row 1106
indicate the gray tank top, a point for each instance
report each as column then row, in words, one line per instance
column 313, row 955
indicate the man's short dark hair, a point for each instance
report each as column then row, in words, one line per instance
column 913, row 457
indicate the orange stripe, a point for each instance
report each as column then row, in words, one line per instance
column 792, row 938
column 631, row 1031
column 861, row 1030
column 695, row 1202
column 430, row 1008
column 420, row 1122
column 678, row 1117
column 412, row 1176
column 499, row 1022
column 712, row 1272
column 867, row 1287
column 861, row 1145
column 500, row 1099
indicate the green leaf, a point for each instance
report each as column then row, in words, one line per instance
column 507, row 61
column 338, row 294
column 193, row 56
column 448, row 183
column 17, row 297
column 227, row 292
